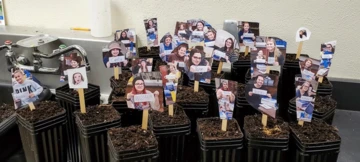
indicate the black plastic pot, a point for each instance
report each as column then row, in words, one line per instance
column 44, row 141
column 171, row 140
column 239, row 69
column 72, row 103
column 226, row 150
column 9, row 137
column 209, row 88
column 152, row 53
column 93, row 140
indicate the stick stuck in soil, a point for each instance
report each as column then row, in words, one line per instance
column 171, row 110
column 145, row 119
column 264, row 120
column 31, row 105
column 267, row 70
column 320, row 80
column 82, row 100
column 220, row 67
column 299, row 50
column 196, row 86
column 224, row 124
column 116, row 73
column 246, row 50
column 301, row 122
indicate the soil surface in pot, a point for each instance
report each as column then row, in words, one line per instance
column 75, row 93
column 324, row 103
column 214, row 75
column 6, row 110
column 164, row 119
column 43, row 110
column 291, row 57
column 275, row 129
column 186, row 94
column 98, row 114
column 325, row 82
column 315, row 131
column 158, row 62
column 241, row 90
column 121, row 83
column 243, row 57
column 131, row 138
column 210, row 129
column 118, row 98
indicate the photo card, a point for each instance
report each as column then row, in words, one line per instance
column 141, row 65
column 128, row 38
column 304, row 110
column 145, row 91
column 167, row 46
column 151, row 27
column 179, row 55
column 273, row 49
column 305, row 90
column 182, row 32
column 226, row 93
column 2, row 16
column 302, row 34
column 78, row 78
column 327, row 53
column 114, row 55
column 248, row 32
column 309, row 67
column 170, row 78
column 71, row 60
column 197, row 67
column 199, row 29
column 261, row 93
column 225, row 45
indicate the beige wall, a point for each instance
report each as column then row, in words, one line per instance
column 327, row 19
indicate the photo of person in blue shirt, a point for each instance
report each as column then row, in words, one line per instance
column 166, row 47
column 245, row 29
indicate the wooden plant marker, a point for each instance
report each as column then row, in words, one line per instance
column 145, row 119
column 116, row 73
column 196, row 86
column 299, row 50
column 264, row 120
column 31, row 105
column 301, row 122
column 220, row 67
column 320, row 80
column 224, row 125
column 246, row 50
column 267, row 70
column 171, row 110
column 82, row 100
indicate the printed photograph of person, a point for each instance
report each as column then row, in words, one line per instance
column 141, row 96
column 226, row 92
column 302, row 34
column 248, row 32
column 198, row 29
column 210, row 37
column 305, row 90
column 327, row 53
column 77, row 78
column 182, row 33
column 167, row 45
column 170, row 76
column 197, row 67
column 128, row 38
column 25, row 89
column 275, row 52
column 261, row 93
column 225, row 44
column 179, row 55
column 113, row 55
column 151, row 31
column 71, row 60
column 141, row 65
column 309, row 67
column 304, row 110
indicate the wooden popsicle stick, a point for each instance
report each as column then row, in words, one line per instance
column 267, row 70
column 301, row 122
column 264, row 120
column 116, row 73
column 173, row 95
column 82, row 100
column 220, row 67
column 171, row 110
column 145, row 117
column 246, row 50
column 196, row 86
column 299, row 50
column 224, row 125
column 320, row 80
column 31, row 105
column 131, row 79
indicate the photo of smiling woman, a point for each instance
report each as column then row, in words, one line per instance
column 305, row 89
column 70, row 62
column 167, row 45
column 274, row 55
column 115, row 50
column 139, row 88
column 182, row 33
column 210, row 37
column 151, row 30
column 229, row 51
column 197, row 59
column 246, row 34
column 309, row 67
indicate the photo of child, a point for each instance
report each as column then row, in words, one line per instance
column 71, row 60
column 225, row 44
column 248, row 32
column 197, row 67
column 141, row 65
column 170, row 76
column 25, row 90
column 261, row 93
column 302, row 34
column 151, row 31
column 309, row 67
column 140, row 95
column 226, row 92
column 167, row 45
column 113, row 55
column 128, row 38
column 77, row 78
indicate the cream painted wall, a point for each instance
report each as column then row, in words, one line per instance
column 327, row 19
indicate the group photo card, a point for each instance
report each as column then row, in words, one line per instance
column 226, row 92
column 302, row 34
column 248, row 32
column 197, row 67
column 309, row 67
column 151, row 27
column 261, row 93
column 128, row 38
column 198, row 28
column 78, row 78
column 273, row 49
column 141, row 65
column 143, row 93
column 167, row 46
column 25, row 89
column 327, row 52
column 114, row 55
column 224, row 47
column 170, row 76
column 72, row 60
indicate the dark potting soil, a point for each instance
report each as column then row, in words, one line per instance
column 275, row 129
column 291, row 57
column 6, row 110
column 118, row 98
column 187, row 95
column 121, row 82
column 214, row 75
column 158, row 63
column 274, row 72
column 163, row 118
column 74, row 92
column 325, row 82
column 241, row 89
column 131, row 138
column 243, row 57
column 98, row 114
column 324, row 103
column 315, row 131
column 210, row 129
column 43, row 110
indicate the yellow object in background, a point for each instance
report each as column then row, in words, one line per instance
column 81, row 29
